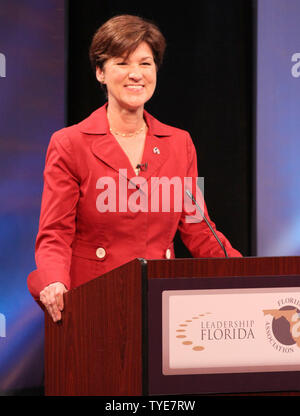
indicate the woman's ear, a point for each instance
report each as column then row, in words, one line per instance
column 100, row 75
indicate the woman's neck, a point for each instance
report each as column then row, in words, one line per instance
column 124, row 120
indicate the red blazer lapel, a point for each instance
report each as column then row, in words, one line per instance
column 156, row 150
column 105, row 147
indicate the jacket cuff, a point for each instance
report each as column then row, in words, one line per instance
column 39, row 279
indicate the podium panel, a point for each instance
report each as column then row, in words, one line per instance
column 183, row 326
column 242, row 335
column 97, row 347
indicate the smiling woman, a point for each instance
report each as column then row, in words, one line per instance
column 126, row 53
column 77, row 241
column 130, row 81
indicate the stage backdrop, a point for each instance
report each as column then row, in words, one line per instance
column 32, row 101
column 31, row 108
column 278, row 128
column 205, row 86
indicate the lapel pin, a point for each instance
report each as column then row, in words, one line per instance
column 156, row 150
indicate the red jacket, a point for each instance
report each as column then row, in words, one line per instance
column 76, row 242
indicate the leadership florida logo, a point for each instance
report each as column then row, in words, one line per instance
column 201, row 329
column 283, row 326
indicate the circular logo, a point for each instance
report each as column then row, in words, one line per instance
column 281, row 326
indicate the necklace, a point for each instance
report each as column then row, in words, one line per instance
column 128, row 134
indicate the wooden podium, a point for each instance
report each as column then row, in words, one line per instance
column 109, row 340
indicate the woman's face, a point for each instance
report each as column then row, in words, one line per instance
column 130, row 81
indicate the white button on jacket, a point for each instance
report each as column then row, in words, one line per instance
column 100, row 253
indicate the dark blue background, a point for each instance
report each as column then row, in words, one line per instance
column 32, row 97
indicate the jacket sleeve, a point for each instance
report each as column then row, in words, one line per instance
column 57, row 218
column 194, row 231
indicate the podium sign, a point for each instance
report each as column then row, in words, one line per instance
column 231, row 330
column 228, row 335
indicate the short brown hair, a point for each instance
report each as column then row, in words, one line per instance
column 121, row 35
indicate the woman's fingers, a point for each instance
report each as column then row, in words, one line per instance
column 54, row 312
column 52, row 297
column 60, row 300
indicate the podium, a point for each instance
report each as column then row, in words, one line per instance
column 111, row 338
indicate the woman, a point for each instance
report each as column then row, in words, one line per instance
column 102, row 178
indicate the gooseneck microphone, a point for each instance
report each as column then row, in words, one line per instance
column 190, row 195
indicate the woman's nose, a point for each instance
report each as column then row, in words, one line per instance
column 135, row 75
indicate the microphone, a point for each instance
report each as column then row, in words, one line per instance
column 191, row 196
column 142, row 166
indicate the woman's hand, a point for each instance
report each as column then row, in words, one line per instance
column 52, row 297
